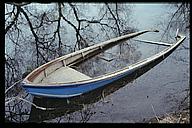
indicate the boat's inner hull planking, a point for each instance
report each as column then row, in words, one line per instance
column 59, row 71
column 65, row 74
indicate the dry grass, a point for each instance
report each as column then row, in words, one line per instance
column 181, row 117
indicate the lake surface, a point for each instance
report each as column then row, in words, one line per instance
column 156, row 92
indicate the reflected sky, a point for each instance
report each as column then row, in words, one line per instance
column 148, row 15
column 161, row 87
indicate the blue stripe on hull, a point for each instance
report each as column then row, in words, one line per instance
column 77, row 89
column 73, row 90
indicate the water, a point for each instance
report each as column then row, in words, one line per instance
column 127, row 100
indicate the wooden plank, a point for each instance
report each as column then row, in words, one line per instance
column 106, row 59
column 64, row 75
column 53, row 67
column 154, row 42
column 41, row 75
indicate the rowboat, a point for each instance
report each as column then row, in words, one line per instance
column 57, row 78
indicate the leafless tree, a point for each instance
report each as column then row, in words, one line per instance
column 34, row 36
column 180, row 19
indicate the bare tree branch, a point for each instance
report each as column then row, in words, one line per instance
column 14, row 20
column 116, row 20
column 170, row 21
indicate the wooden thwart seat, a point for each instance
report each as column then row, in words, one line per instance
column 65, row 75
column 154, row 42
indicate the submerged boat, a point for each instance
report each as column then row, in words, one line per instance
column 58, row 79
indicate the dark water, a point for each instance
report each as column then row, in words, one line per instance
column 130, row 99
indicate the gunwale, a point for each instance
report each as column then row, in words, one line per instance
column 26, row 82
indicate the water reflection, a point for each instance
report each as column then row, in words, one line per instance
column 69, row 105
column 118, row 57
column 113, row 59
column 17, row 110
column 110, row 60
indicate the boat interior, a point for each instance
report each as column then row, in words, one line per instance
column 61, row 71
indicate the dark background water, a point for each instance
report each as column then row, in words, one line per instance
column 159, row 91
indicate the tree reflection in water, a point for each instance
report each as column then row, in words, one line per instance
column 34, row 37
